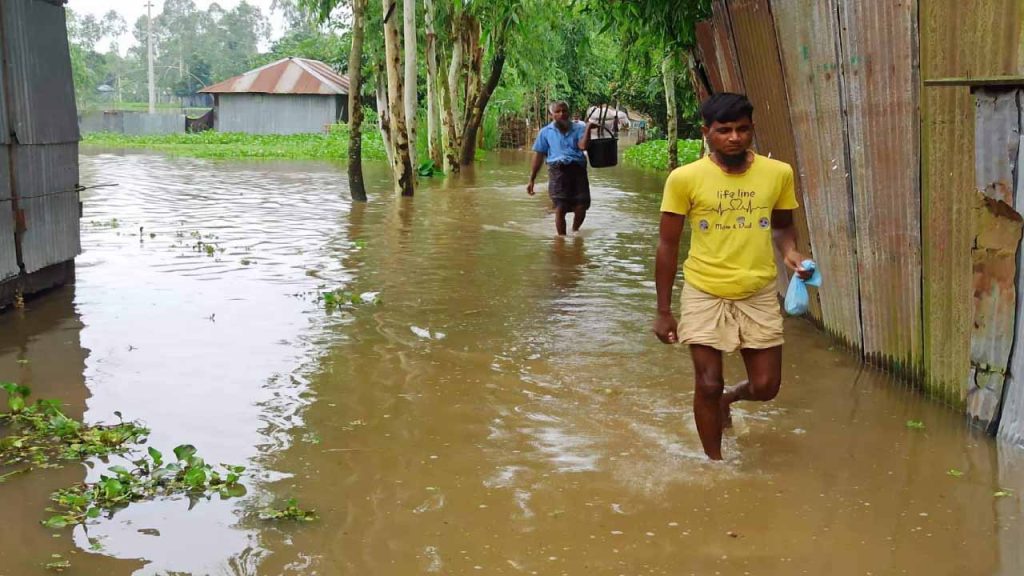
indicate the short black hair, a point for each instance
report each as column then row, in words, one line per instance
column 726, row 107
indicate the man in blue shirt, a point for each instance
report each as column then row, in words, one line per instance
column 562, row 143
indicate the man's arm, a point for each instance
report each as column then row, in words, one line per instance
column 538, row 161
column 666, row 265
column 785, row 237
column 585, row 139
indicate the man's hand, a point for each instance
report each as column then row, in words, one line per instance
column 665, row 328
column 793, row 260
column 529, row 188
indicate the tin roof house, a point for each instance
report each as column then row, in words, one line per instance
column 290, row 96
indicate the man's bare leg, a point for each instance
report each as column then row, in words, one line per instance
column 707, row 398
column 764, row 378
column 560, row 220
column 578, row 215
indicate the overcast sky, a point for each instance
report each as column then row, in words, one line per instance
column 130, row 10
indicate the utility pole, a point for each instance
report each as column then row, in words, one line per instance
column 149, row 49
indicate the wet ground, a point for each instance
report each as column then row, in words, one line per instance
column 503, row 408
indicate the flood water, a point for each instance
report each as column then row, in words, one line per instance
column 502, row 409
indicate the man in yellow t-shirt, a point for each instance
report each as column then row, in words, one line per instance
column 738, row 202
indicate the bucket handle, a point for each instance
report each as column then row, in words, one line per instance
column 601, row 126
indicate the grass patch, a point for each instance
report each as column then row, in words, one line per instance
column 233, row 145
column 653, row 154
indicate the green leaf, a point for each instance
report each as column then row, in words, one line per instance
column 184, row 451
column 1002, row 493
column 195, row 478
column 92, row 512
column 915, row 424
column 155, row 454
column 120, row 471
column 56, row 522
column 954, row 473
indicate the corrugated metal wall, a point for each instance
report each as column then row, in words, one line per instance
column 758, row 53
column 38, row 140
column 994, row 252
column 8, row 249
column 808, row 41
column 911, row 183
column 879, row 75
column 955, row 43
column 276, row 113
column 132, row 123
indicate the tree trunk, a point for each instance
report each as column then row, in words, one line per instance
column 454, row 70
column 355, row 110
column 411, row 104
column 383, row 116
column 433, row 113
column 450, row 101
column 481, row 99
column 473, row 81
column 401, row 167
column 668, row 71
column 450, row 137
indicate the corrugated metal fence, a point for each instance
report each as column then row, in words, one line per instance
column 903, row 120
column 39, row 209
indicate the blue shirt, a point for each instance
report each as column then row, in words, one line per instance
column 561, row 148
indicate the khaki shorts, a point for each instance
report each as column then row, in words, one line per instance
column 728, row 325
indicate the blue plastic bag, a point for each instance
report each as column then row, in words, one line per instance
column 797, row 298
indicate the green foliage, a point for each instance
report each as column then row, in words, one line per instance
column 428, row 169
column 342, row 299
column 290, row 511
column 41, row 435
column 211, row 144
column 151, row 477
column 653, row 154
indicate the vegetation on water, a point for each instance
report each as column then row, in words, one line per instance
column 151, row 477
column 341, row 299
column 290, row 511
column 653, row 154
column 40, row 435
column 211, row 144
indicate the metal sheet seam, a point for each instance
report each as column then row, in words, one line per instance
column 843, row 107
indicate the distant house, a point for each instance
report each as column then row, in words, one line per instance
column 290, row 96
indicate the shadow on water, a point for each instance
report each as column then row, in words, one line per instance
column 503, row 409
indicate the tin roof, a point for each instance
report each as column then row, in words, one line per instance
column 286, row 76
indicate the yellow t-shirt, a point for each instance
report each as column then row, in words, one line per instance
column 730, row 216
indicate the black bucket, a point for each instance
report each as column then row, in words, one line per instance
column 603, row 152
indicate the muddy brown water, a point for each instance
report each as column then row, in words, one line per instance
column 504, row 409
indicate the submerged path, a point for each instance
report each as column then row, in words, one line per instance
column 501, row 409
